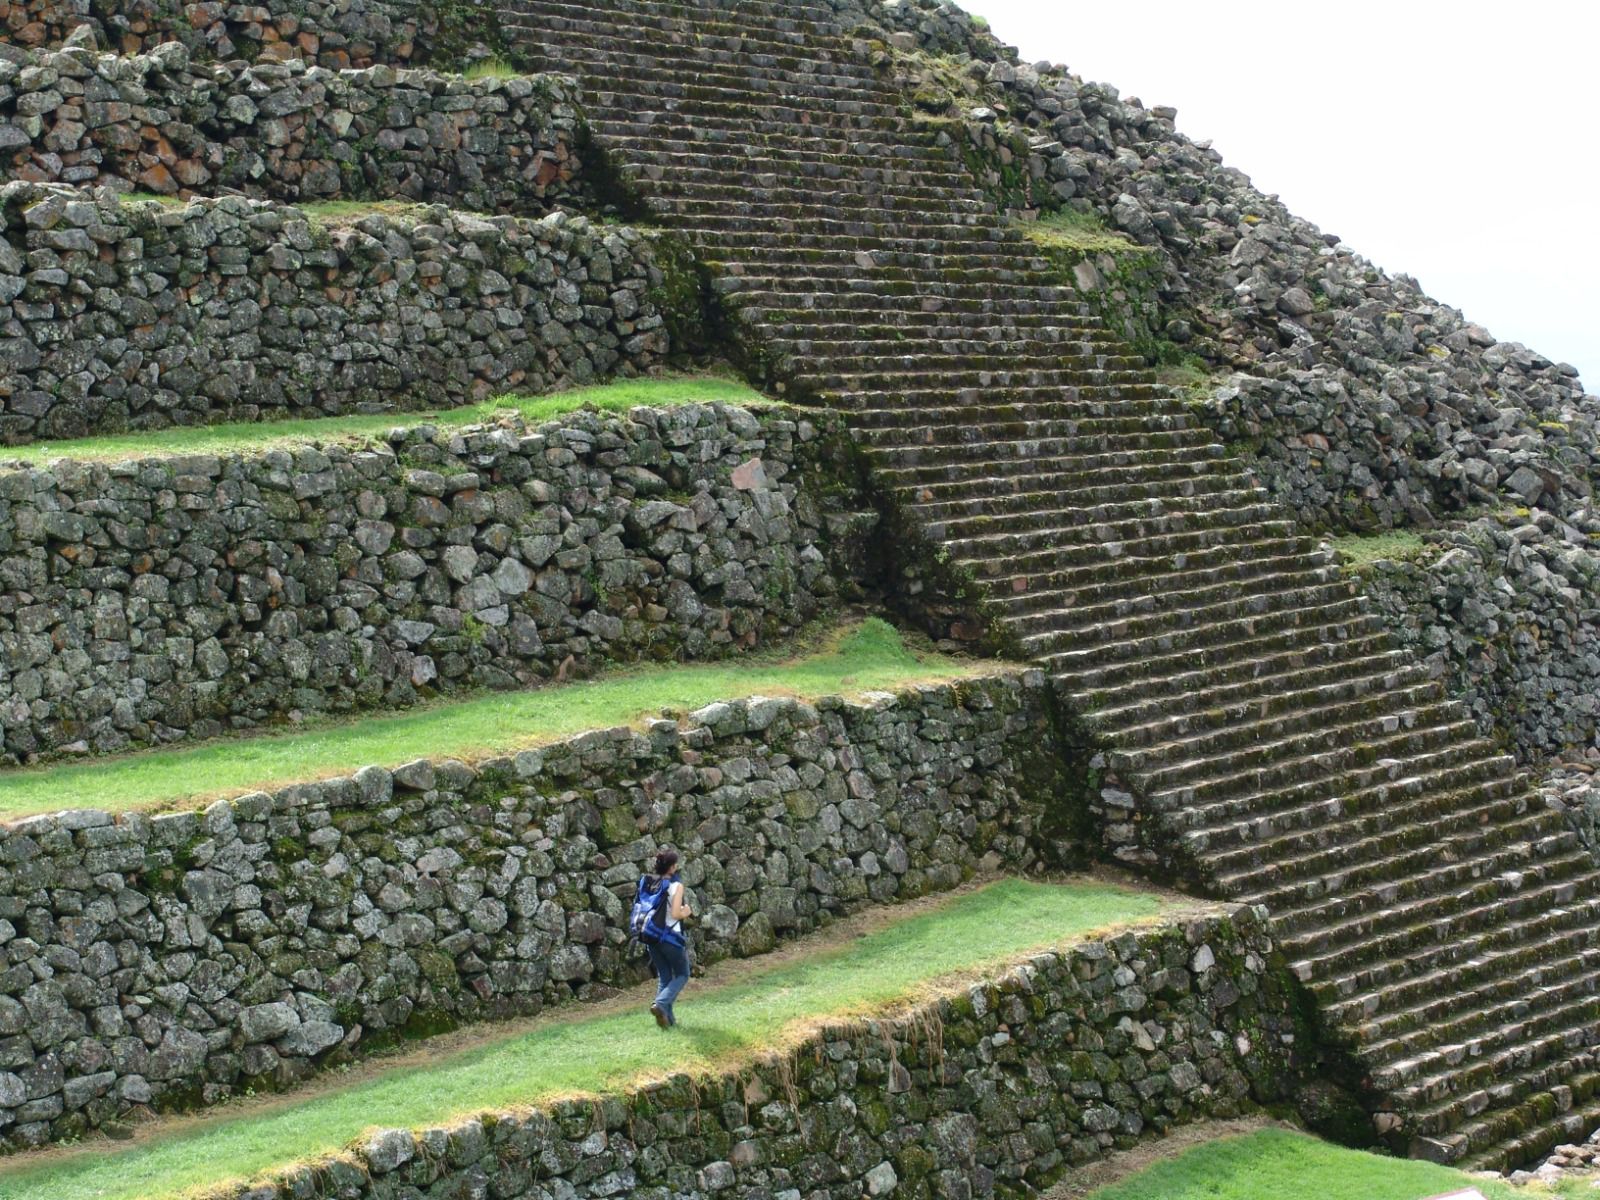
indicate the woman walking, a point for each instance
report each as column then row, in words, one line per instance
column 659, row 912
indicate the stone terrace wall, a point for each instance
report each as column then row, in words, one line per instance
column 283, row 131
column 334, row 33
column 117, row 316
column 158, row 599
column 1509, row 611
column 993, row 1091
column 191, row 953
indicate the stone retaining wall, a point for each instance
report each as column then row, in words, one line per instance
column 118, row 315
column 991, row 1091
column 157, row 599
column 1509, row 611
column 334, row 33
column 288, row 132
column 174, row 958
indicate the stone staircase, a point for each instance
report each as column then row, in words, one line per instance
column 1266, row 739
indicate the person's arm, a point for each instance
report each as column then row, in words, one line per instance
column 680, row 902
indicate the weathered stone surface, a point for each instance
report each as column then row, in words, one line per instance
column 1507, row 609
column 237, row 309
column 334, row 33
column 174, row 597
column 992, row 1091
column 286, row 131
column 335, row 911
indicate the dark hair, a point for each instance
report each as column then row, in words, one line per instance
column 666, row 860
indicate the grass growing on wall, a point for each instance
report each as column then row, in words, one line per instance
column 1279, row 1165
column 866, row 657
column 761, row 1009
column 1364, row 550
column 255, row 435
column 1072, row 229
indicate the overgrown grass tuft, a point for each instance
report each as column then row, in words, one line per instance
column 1075, row 229
column 492, row 68
column 1366, row 549
column 867, row 657
column 1278, row 1165
column 765, row 1009
column 659, row 392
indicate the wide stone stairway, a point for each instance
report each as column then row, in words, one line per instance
column 1265, row 738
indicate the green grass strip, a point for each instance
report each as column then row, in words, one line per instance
column 1278, row 1165
column 763, row 1008
column 867, row 657
column 257, row 435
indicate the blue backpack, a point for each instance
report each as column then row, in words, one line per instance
column 648, row 921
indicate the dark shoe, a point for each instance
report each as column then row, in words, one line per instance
column 660, row 1014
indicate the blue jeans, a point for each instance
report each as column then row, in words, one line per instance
column 671, row 965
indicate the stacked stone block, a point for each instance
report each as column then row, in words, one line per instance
column 162, row 124
column 152, row 959
column 121, row 315
column 991, row 1090
column 159, row 599
column 333, row 33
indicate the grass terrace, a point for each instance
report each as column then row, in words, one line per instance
column 866, row 966
column 1278, row 1164
column 870, row 656
column 244, row 436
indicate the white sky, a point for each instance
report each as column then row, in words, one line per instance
column 1458, row 142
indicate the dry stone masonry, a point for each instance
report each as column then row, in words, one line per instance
column 1259, row 733
column 159, row 599
column 333, row 33
column 123, row 315
column 175, row 958
column 1510, row 615
column 159, row 123
column 990, row 1091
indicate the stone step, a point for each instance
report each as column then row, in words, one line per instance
column 1151, row 668
column 1189, row 683
column 1312, row 802
column 1019, row 533
column 1078, row 469
column 1550, row 1115
column 1468, row 1019
column 1102, row 503
column 1297, row 760
column 1018, row 515
column 1132, row 640
column 1450, row 911
column 1090, row 397
column 1409, row 685
column 1237, row 853
column 1255, row 755
column 1369, row 1016
column 1320, row 665
column 1380, row 858
column 1539, row 1059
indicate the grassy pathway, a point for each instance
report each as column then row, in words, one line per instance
column 761, row 1006
column 867, row 657
column 259, row 435
column 1276, row 1164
